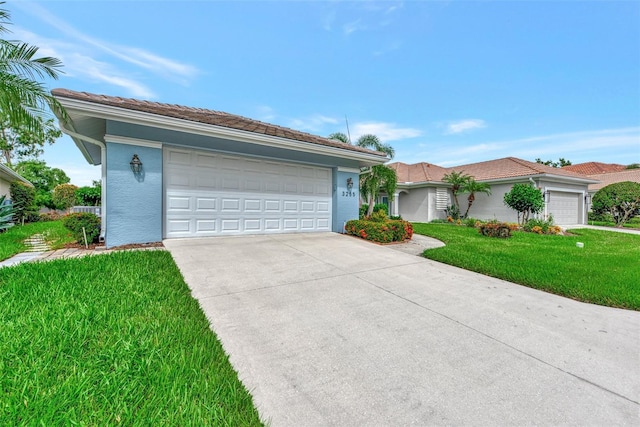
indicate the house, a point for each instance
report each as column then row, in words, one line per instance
column 7, row 176
column 171, row 171
column 605, row 179
column 594, row 168
column 423, row 196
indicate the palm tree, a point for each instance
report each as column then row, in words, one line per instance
column 375, row 178
column 472, row 187
column 23, row 100
column 339, row 136
column 373, row 142
column 457, row 180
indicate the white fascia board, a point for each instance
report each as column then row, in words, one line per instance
column 181, row 125
column 350, row 170
column 132, row 141
column 13, row 175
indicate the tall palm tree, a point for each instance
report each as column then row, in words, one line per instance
column 375, row 178
column 373, row 142
column 472, row 187
column 339, row 136
column 457, row 180
column 23, row 100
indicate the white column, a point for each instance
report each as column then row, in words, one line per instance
column 395, row 205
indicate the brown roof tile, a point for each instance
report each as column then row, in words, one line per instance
column 605, row 179
column 211, row 117
column 508, row 167
column 592, row 168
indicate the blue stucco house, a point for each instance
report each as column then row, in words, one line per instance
column 170, row 171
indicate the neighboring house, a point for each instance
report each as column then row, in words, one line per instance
column 7, row 176
column 594, row 168
column 423, row 196
column 605, row 179
column 209, row 173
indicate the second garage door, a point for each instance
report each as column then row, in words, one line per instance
column 565, row 207
column 208, row 194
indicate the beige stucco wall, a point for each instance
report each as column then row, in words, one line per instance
column 490, row 207
column 4, row 187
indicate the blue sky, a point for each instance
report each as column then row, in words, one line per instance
column 446, row 82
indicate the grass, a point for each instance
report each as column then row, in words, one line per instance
column 112, row 339
column 12, row 241
column 632, row 223
column 604, row 272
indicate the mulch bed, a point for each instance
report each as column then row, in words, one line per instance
column 99, row 246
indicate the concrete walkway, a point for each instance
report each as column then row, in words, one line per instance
column 327, row 329
column 598, row 227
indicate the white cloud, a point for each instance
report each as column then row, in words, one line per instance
column 352, row 27
column 315, row 123
column 621, row 145
column 82, row 56
column 464, row 126
column 385, row 131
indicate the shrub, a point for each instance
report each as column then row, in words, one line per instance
column 600, row 216
column 64, row 196
column 89, row 196
column 386, row 231
column 22, row 197
column 452, row 212
column 621, row 200
column 541, row 226
column 395, row 217
column 50, row 216
column 495, row 229
column 76, row 221
column 363, row 210
column 524, row 199
column 472, row 222
column 381, row 207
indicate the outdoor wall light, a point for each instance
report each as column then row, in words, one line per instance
column 349, row 184
column 136, row 164
column 587, row 198
column 547, row 196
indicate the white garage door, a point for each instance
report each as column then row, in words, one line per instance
column 564, row 207
column 209, row 194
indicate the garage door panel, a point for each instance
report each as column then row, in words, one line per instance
column 216, row 194
column 565, row 207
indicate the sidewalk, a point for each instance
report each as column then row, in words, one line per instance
column 599, row 227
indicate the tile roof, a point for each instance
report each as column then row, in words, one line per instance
column 210, row 117
column 592, row 168
column 508, row 167
column 605, row 179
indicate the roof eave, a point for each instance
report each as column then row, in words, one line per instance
column 109, row 112
column 4, row 170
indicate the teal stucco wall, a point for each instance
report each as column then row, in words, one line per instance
column 345, row 200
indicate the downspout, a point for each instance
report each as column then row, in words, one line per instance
column 103, row 174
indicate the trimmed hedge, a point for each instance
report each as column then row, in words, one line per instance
column 380, row 231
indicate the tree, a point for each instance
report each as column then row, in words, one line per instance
column 22, row 197
column 457, row 180
column 21, row 142
column 633, row 166
column 339, row 136
column 64, row 196
column 525, row 199
column 559, row 164
column 373, row 142
column 621, row 200
column 90, row 196
column 43, row 178
column 472, row 187
column 23, row 100
column 375, row 178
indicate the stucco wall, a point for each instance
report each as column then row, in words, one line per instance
column 134, row 203
column 490, row 207
column 414, row 205
column 345, row 201
column 4, row 188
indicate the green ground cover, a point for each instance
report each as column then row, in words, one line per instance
column 605, row 271
column 12, row 240
column 112, row 339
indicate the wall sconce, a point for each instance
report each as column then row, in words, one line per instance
column 349, row 184
column 547, row 196
column 136, row 164
column 587, row 199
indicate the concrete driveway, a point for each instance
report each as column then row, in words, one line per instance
column 326, row 329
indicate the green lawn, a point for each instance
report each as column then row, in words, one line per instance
column 112, row 339
column 12, row 241
column 606, row 271
column 632, row 223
